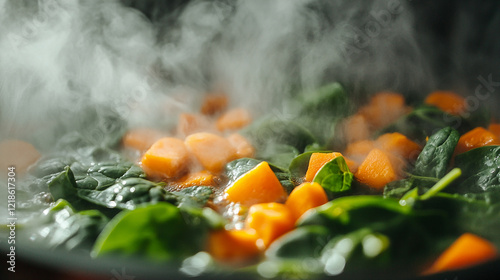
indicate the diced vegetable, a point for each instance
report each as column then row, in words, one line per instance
column 212, row 151
column 234, row 246
column 270, row 221
column 447, row 101
column 467, row 250
column 19, row 154
column 377, row 169
column 357, row 151
column 399, row 145
column 495, row 129
column 356, row 128
column 384, row 108
column 478, row 137
column 304, row 197
column 213, row 104
column 242, row 145
column 141, row 138
column 317, row 161
column 259, row 185
column 167, row 158
column 233, row 119
column 192, row 123
column 200, row 178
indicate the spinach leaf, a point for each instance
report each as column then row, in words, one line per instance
column 160, row 232
column 435, row 157
column 431, row 164
column 125, row 193
column 272, row 131
column 300, row 243
column 60, row 226
column 348, row 213
column 334, row 176
column 481, row 170
column 320, row 110
column 104, row 174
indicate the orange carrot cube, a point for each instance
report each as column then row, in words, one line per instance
column 304, row 197
column 259, row 185
column 466, row 251
column 167, row 158
column 270, row 221
column 212, row 151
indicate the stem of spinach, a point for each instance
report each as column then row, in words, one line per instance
column 443, row 183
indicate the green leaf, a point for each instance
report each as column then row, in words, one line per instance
column 480, row 170
column 272, row 131
column 60, row 226
column 160, row 232
column 435, row 157
column 300, row 243
column 334, row 176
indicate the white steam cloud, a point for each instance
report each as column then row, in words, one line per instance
column 60, row 59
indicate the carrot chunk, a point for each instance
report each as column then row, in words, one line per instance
column 304, row 197
column 213, row 104
column 478, row 137
column 167, row 158
column 317, row 161
column 141, row 138
column 495, row 129
column 270, row 221
column 18, row 154
column 259, row 185
column 233, row 119
column 192, row 123
column 384, row 108
column 467, row 250
column 399, row 145
column 377, row 169
column 211, row 150
column 242, row 145
column 447, row 101
column 356, row 128
column 200, row 178
column 233, row 246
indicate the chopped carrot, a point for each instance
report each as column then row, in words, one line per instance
column 233, row 246
column 212, row 151
column 141, row 139
column 466, row 251
column 478, row 137
column 200, row 178
column 495, row 129
column 167, row 158
column 304, row 197
column 233, row 119
column 242, row 145
column 399, row 145
column 192, row 123
column 214, row 104
column 384, row 108
column 259, row 185
column 357, row 151
column 270, row 221
column 18, row 154
column 317, row 161
column 356, row 128
column 377, row 169
column 447, row 101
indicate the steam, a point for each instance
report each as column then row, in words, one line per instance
column 63, row 61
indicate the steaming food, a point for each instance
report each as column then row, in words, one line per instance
column 413, row 180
